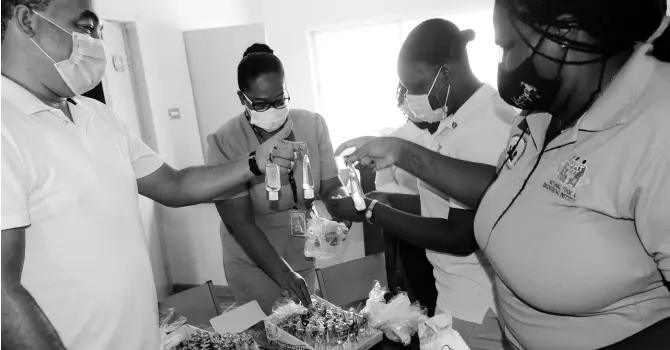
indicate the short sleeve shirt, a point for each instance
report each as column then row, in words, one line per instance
column 582, row 253
column 73, row 186
column 477, row 132
column 236, row 139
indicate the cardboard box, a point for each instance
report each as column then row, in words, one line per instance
column 284, row 340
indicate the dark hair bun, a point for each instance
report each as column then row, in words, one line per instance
column 258, row 48
column 468, row 35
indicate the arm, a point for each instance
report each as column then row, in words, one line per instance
column 332, row 187
column 408, row 203
column 24, row 324
column 179, row 188
column 198, row 184
column 237, row 215
column 463, row 180
column 654, row 337
column 453, row 236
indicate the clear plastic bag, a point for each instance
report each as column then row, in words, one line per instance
column 324, row 238
column 399, row 319
column 437, row 334
column 169, row 320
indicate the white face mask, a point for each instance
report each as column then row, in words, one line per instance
column 270, row 120
column 86, row 66
column 419, row 106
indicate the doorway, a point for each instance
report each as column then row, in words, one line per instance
column 121, row 89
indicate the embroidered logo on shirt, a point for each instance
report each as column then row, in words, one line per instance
column 515, row 150
column 569, row 176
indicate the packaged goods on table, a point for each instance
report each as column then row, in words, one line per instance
column 321, row 327
column 399, row 319
column 192, row 338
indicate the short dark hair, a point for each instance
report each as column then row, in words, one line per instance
column 434, row 42
column 618, row 25
column 8, row 7
column 258, row 59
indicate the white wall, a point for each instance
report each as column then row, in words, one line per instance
column 288, row 25
column 190, row 235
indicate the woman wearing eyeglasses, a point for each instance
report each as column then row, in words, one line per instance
column 261, row 257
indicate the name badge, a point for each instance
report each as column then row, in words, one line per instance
column 298, row 223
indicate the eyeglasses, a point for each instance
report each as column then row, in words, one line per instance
column 265, row 105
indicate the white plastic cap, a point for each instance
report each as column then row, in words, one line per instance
column 274, row 196
column 309, row 194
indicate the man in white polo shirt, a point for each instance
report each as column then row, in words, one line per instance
column 75, row 266
column 475, row 125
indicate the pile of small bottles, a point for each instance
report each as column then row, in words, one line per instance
column 327, row 327
column 206, row 341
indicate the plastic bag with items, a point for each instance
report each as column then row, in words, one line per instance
column 324, row 238
column 399, row 318
column 437, row 334
column 169, row 320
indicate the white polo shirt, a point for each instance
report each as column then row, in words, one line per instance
column 582, row 254
column 477, row 132
column 394, row 179
column 73, row 186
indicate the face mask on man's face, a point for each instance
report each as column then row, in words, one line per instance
column 85, row 67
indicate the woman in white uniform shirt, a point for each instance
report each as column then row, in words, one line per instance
column 472, row 123
column 576, row 224
column 407, row 266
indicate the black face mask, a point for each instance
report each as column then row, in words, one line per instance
column 524, row 88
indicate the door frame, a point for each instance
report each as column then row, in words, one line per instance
column 145, row 117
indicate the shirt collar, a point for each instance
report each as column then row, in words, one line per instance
column 624, row 90
column 23, row 99
column 481, row 97
column 609, row 109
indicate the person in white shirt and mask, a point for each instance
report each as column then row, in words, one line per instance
column 76, row 272
column 407, row 266
column 474, row 125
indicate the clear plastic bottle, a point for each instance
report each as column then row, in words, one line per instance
column 356, row 190
column 307, row 180
column 272, row 181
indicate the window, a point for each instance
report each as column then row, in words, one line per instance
column 357, row 79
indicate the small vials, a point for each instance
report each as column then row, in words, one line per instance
column 307, row 180
column 272, row 181
column 356, row 190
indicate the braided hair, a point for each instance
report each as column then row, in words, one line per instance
column 258, row 59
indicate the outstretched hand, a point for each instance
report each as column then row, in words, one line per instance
column 279, row 151
column 380, row 152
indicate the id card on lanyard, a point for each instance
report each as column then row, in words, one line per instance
column 297, row 216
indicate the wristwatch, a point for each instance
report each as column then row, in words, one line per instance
column 368, row 213
column 253, row 164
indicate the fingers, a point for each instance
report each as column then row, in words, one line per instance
column 306, row 298
column 343, row 147
column 357, row 143
column 284, row 163
column 360, row 153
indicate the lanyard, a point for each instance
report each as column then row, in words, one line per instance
column 291, row 177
